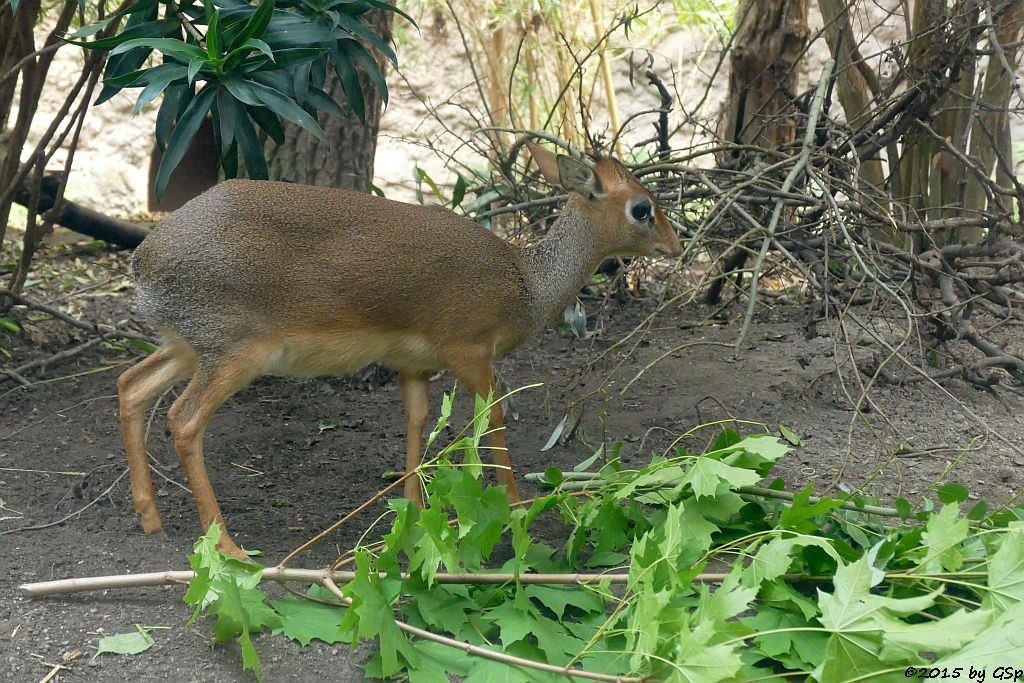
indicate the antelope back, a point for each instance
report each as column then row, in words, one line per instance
column 278, row 257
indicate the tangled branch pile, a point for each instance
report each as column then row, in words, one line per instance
column 897, row 214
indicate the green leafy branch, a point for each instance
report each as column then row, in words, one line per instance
column 690, row 576
column 893, row 588
column 249, row 66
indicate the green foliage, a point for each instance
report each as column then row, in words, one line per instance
column 143, row 345
column 420, row 177
column 226, row 589
column 305, row 620
column 243, row 63
column 814, row 588
column 126, row 643
column 790, row 436
column 717, row 14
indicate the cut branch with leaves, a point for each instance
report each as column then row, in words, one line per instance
column 803, row 578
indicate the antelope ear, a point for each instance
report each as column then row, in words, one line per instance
column 571, row 174
column 578, row 177
column 546, row 161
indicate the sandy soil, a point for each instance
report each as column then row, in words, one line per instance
column 280, row 477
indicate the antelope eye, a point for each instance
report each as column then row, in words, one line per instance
column 641, row 211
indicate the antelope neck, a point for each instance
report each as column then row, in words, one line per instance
column 558, row 266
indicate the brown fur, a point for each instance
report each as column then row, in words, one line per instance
column 257, row 278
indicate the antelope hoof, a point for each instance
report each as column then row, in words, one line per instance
column 151, row 523
column 228, row 547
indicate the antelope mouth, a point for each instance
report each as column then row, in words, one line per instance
column 663, row 251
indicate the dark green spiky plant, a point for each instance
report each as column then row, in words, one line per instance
column 247, row 65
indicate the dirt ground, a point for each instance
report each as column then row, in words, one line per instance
column 289, row 457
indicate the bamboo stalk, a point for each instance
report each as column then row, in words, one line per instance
column 606, row 75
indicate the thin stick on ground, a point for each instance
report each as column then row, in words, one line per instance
column 37, row 527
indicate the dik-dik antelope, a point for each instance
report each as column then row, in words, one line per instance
column 265, row 278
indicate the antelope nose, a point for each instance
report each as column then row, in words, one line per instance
column 673, row 249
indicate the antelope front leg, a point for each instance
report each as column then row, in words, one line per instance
column 188, row 417
column 416, row 396
column 476, row 371
column 501, row 458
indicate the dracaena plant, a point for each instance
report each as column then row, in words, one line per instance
column 247, row 65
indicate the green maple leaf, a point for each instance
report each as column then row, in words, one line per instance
column 126, row 643
column 782, row 593
column 1006, row 568
column 491, row 671
column 651, row 612
column 860, row 621
column 206, row 547
column 695, row 528
column 944, row 536
column 673, row 547
column 304, row 620
column 705, row 474
column 204, row 562
column 371, row 615
column 789, row 638
column 696, row 661
column 442, row 606
column 240, row 609
column 521, row 539
column 226, row 588
column 435, row 546
column 446, row 412
column 727, row 601
column 609, row 525
column 250, row 660
column 658, row 475
column 198, row 589
column 801, row 511
column 481, row 424
column 557, row 598
column 555, row 641
column 482, row 517
column 528, row 633
column 774, row 558
column 999, row 643
column 905, row 640
column 758, row 453
column 403, row 530
column 514, row 623
column 436, row 661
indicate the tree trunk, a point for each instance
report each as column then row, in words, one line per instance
column 856, row 87
column 990, row 137
column 942, row 59
column 953, row 123
column 20, row 58
column 759, row 110
column 769, row 40
column 17, row 42
column 346, row 159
